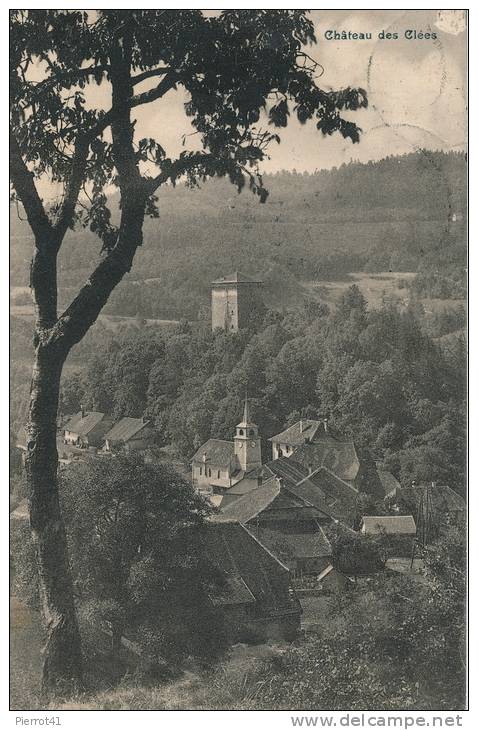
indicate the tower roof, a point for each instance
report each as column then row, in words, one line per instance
column 236, row 278
column 246, row 420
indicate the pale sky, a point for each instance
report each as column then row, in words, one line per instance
column 416, row 89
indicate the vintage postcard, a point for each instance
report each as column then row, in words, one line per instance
column 238, row 393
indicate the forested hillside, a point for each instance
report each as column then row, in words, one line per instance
column 399, row 214
column 378, row 373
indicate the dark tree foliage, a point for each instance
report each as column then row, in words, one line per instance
column 233, row 67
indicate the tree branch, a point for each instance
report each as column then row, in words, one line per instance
column 25, row 188
column 149, row 74
column 73, row 324
column 73, row 187
column 153, row 94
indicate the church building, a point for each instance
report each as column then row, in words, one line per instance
column 217, row 465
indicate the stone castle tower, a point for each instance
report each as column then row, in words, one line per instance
column 247, row 444
column 233, row 299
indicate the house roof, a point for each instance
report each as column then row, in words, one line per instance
column 389, row 483
column 390, row 525
column 236, row 278
column 298, row 433
column 339, row 456
column 84, row 422
column 216, row 451
column 322, row 490
column 336, row 490
column 244, row 560
column 295, row 540
column 125, row 429
column 249, row 481
column 249, row 505
column 233, row 592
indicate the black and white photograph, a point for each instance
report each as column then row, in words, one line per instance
column 238, row 436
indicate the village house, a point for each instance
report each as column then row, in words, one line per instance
column 217, row 465
column 397, row 532
column 86, row 429
column 334, row 499
column 257, row 599
column 314, row 444
column 285, row 521
column 285, row 443
column 129, row 435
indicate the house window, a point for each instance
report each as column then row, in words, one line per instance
column 209, row 473
column 218, row 474
column 200, row 471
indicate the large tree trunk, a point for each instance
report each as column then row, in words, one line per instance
column 62, row 669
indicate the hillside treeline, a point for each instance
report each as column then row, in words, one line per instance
column 402, row 213
column 378, row 374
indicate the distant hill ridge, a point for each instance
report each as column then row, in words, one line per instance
column 376, row 216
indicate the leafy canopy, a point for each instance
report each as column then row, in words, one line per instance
column 245, row 72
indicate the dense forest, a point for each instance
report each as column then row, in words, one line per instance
column 378, row 374
column 402, row 213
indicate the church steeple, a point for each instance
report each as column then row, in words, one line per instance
column 245, row 417
column 247, row 443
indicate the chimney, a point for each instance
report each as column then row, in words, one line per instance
column 301, row 426
column 326, row 422
column 144, row 419
column 204, row 457
column 433, row 485
column 82, row 411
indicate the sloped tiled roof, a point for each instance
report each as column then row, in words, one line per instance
column 249, row 505
column 84, row 423
column 389, row 483
column 334, row 488
column 298, row 433
column 299, row 540
column 390, row 525
column 247, row 484
column 297, row 480
column 217, row 452
column 234, row 592
column 125, row 429
column 239, row 555
column 338, row 456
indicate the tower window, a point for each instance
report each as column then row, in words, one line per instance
column 241, row 432
column 251, row 432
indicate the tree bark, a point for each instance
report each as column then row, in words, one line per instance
column 62, row 668
column 54, row 337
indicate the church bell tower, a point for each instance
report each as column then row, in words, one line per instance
column 247, row 443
